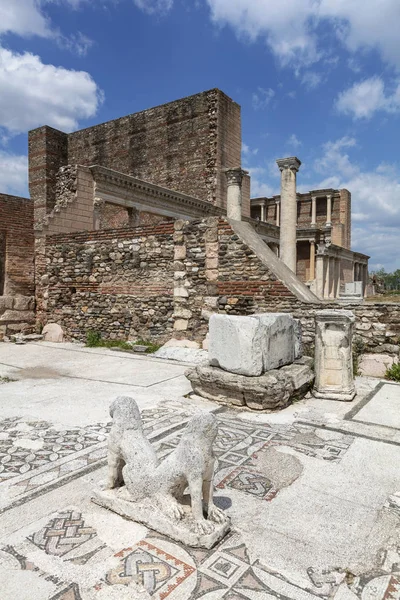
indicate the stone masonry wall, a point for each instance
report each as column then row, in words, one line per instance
column 166, row 280
column 118, row 282
column 17, row 263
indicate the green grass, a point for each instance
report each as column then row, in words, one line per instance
column 393, row 373
column 94, row 340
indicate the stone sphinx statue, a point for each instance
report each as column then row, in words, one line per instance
column 143, row 489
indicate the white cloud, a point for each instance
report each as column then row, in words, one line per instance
column 23, row 17
column 154, row 6
column 259, row 187
column 27, row 18
column 335, row 160
column 13, row 174
column 365, row 98
column 247, row 151
column 261, row 98
column 294, row 141
column 311, row 79
column 33, row 93
column 291, row 27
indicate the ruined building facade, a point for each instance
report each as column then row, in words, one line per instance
column 143, row 226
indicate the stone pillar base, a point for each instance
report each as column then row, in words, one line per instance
column 335, row 395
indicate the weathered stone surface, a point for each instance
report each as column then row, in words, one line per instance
column 375, row 365
column 189, row 355
column 272, row 391
column 333, row 355
column 6, row 302
column 52, row 332
column 251, row 345
column 141, row 488
column 173, row 343
column 16, row 316
column 24, row 303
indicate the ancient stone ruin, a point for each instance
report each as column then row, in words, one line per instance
column 254, row 361
column 143, row 489
column 144, row 226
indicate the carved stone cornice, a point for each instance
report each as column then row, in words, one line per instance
column 291, row 162
column 112, row 186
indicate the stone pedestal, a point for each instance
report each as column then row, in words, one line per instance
column 149, row 514
column 274, row 390
column 334, row 378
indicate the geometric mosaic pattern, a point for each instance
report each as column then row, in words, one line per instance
column 59, row 455
column 238, row 444
column 63, row 534
column 223, row 572
column 165, row 568
column 153, row 568
column 249, row 481
column 16, row 460
column 56, row 444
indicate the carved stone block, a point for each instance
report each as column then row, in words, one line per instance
column 334, row 379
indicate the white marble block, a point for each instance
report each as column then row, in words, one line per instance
column 252, row 345
column 334, row 378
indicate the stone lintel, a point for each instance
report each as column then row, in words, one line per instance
column 291, row 162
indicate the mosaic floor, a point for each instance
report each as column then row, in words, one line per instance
column 164, row 568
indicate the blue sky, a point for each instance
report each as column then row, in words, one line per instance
column 316, row 78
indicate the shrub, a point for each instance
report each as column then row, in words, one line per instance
column 93, row 339
column 358, row 350
column 393, row 372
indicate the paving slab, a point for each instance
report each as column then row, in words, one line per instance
column 383, row 408
column 309, row 489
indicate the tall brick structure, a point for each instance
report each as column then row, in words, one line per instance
column 184, row 145
column 16, row 264
column 16, row 246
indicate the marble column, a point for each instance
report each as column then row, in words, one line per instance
column 263, row 212
column 313, row 211
column 337, row 278
column 288, row 168
column 329, row 211
column 327, row 278
column 332, row 277
column 278, row 213
column 234, row 179
column 356, row 272
column 312, row 260
column 320, row 271
column 334, row 378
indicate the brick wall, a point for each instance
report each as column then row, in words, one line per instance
column 17, row 241
column 48, row 151
column 16, row 265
